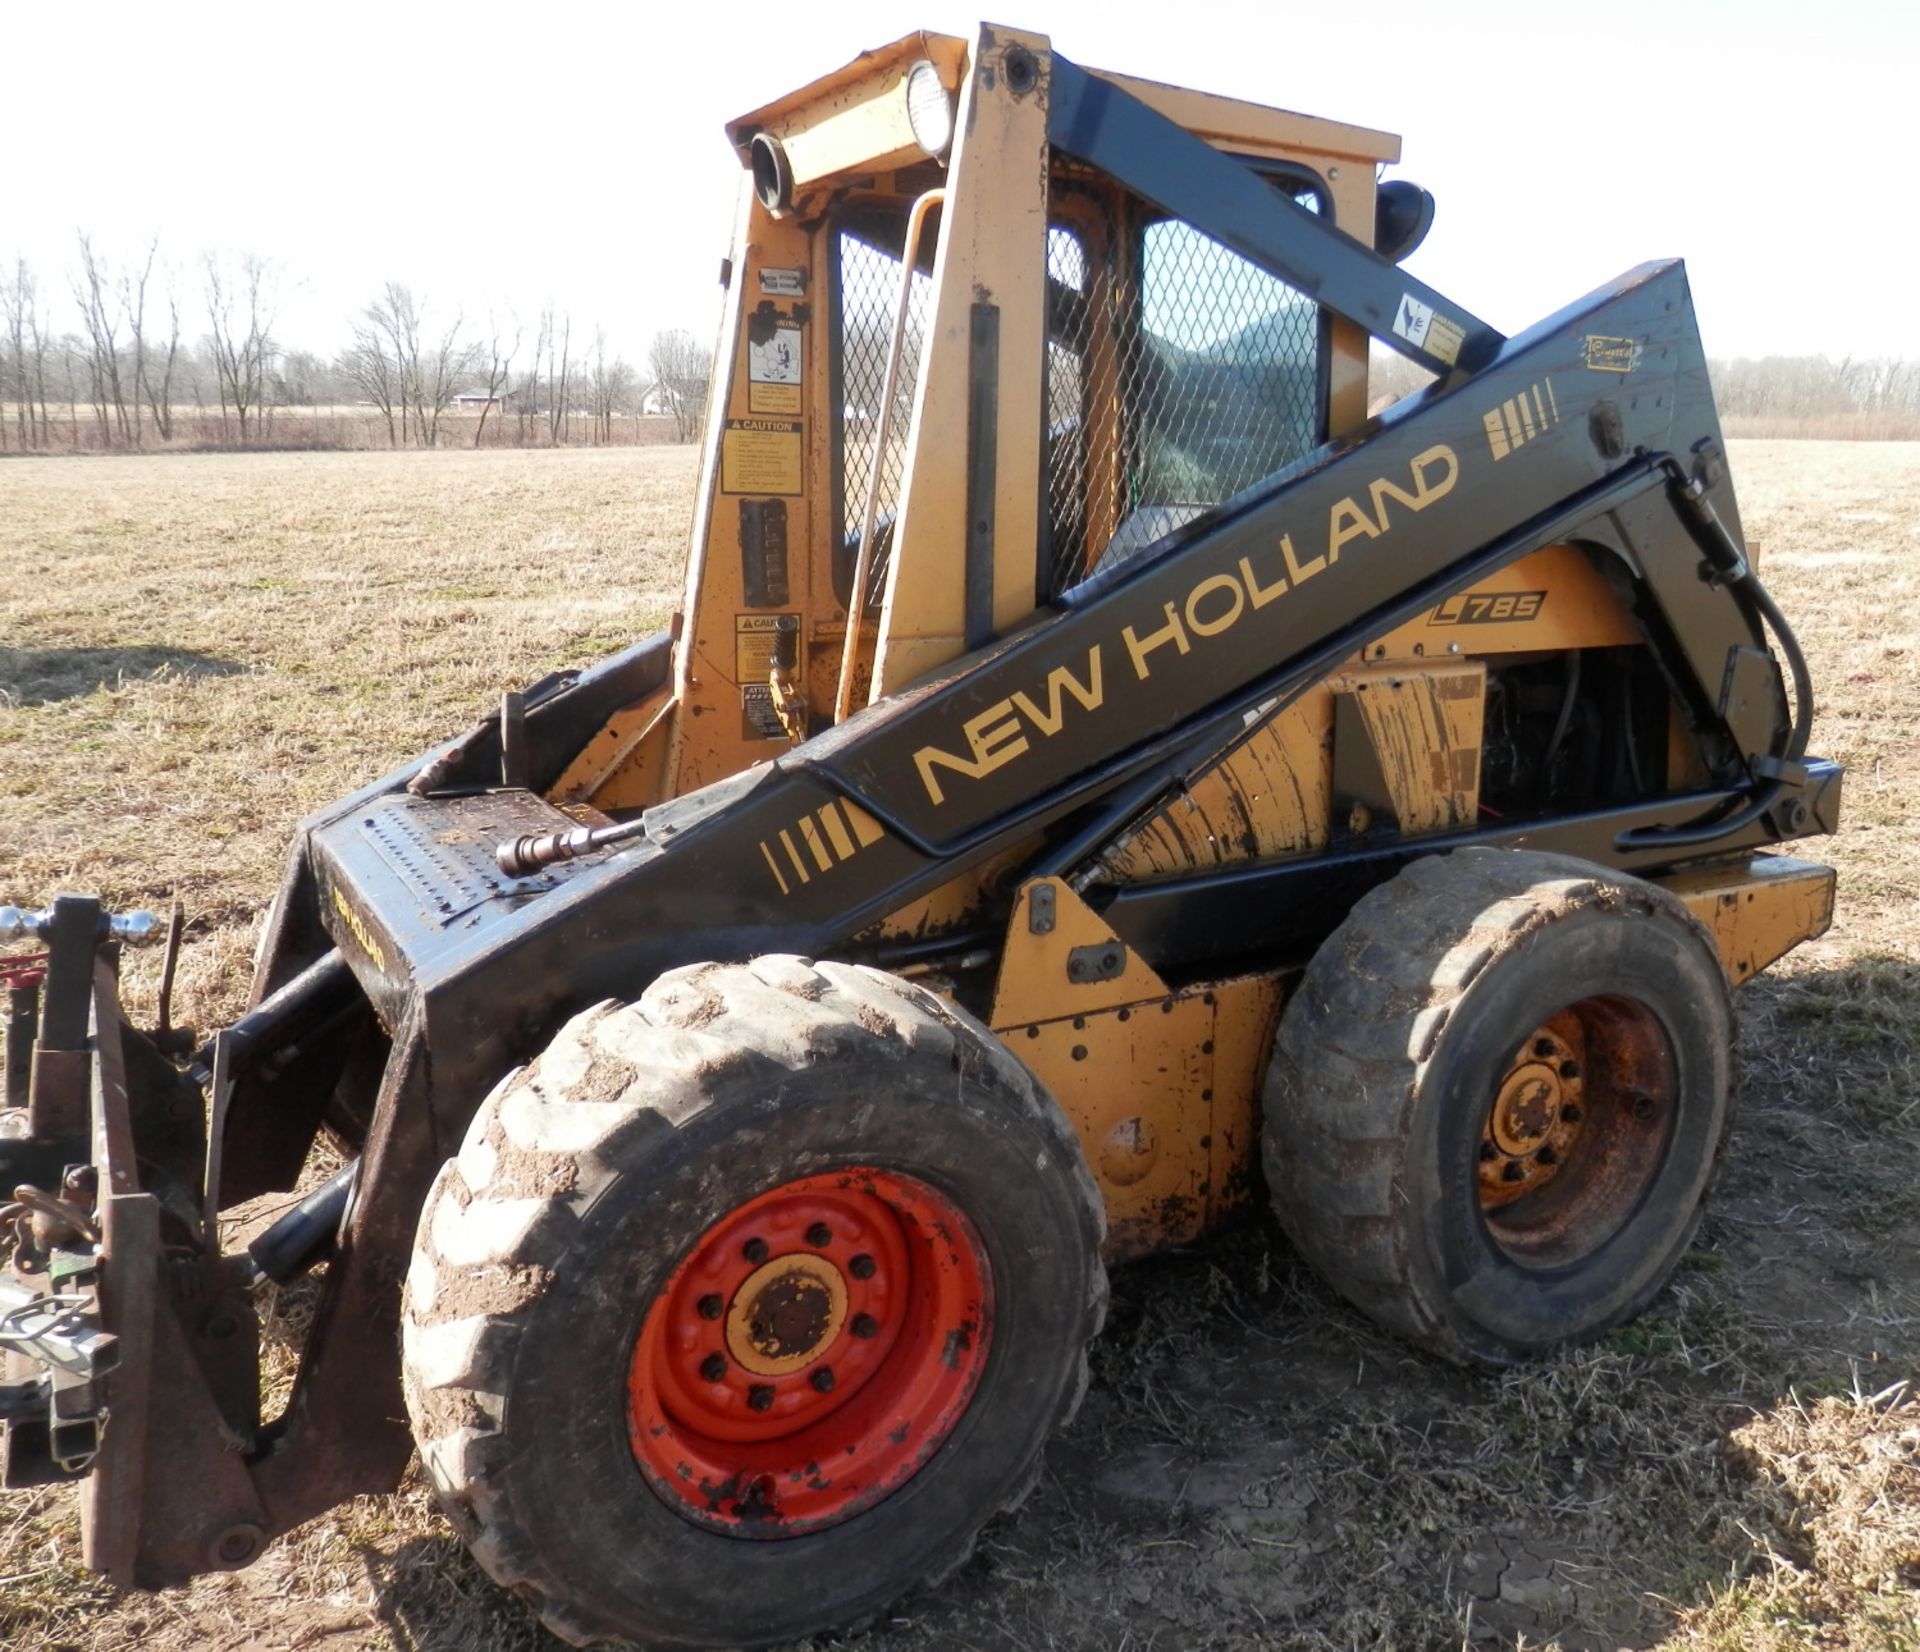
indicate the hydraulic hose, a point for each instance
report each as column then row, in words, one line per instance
column 1747, row 589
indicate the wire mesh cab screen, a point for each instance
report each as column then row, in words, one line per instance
column 1178, row 374
column 870, row 440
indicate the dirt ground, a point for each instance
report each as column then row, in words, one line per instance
column 196, row 650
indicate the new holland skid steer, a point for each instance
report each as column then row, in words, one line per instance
column 1101, row 781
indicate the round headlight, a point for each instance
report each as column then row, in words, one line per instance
column 772, row 175
column 929, row 110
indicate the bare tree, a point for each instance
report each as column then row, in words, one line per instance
column 12, row 374
column 499, row 372
column 394, row 312
column 610, row 388
column 527, row 397
column 23, row 367
column 151, row 384
column 71, row 356
column 384, row 357
column 103, row 315
column 437, row 375
column 680, row 370
column 37, row 329
column 559, row 372
column 371, row 367
column 392, row 363
column 241, row 341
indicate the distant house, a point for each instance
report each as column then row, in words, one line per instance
column 655, row 401
column 474, row 401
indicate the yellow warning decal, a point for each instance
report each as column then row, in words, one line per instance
column 761, row 456
column 755, row 637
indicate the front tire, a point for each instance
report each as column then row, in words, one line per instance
column 1498, row 1099
column 746, row 1306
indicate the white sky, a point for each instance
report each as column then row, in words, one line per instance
column 493, row 157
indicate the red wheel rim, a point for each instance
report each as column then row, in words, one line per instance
column 810, row 1353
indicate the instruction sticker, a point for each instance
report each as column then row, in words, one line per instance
column 761, row 456
column 783, row 283
column 1412, row 320
column 1444, row 338
column 773, row 372
column 753, row 645
column 758, row 719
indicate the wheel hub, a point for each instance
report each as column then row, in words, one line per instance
column 1536, row 1117
column 810, row 1352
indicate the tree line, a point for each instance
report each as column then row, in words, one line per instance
column 1815, row 387
column 135, row 355
column 1855, row 397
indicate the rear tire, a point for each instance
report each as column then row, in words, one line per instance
column 557, row 1293
column 1498, row 1099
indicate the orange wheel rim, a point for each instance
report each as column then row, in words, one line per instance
column 1576, row 1130
column 811, row 1353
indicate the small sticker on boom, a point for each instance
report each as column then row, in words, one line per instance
column 1444, row 338
column 1610, row 355
column 1488, row 608
column 1412, row 320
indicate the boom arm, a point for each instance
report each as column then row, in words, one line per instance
column 1097, row 122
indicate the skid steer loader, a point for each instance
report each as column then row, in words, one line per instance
column 1101, row 781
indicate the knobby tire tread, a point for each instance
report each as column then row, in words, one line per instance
column 499, row 1221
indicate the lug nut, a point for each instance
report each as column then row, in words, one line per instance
column 865, row 1325
column 712, row 1307
column 862, row 1266
column 1488, row 1152
column 1514, row 1172
column 822, row 1380
column 760, row 1397
column 754, row 1250
column 819, row 1236
column 713, row 1367
column 1543, row 1047
column 1569, row 1069
column 1546, row 1155
column 1569, row 1115
column 1643, row 1107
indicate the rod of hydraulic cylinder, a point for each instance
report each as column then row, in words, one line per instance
column 298, row 1239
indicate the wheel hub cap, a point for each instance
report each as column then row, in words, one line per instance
column 785, row 1314
column 1528, row 1106
column 1536, row 1117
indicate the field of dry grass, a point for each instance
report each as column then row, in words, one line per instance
column 196, row 650
column 1890, row 426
